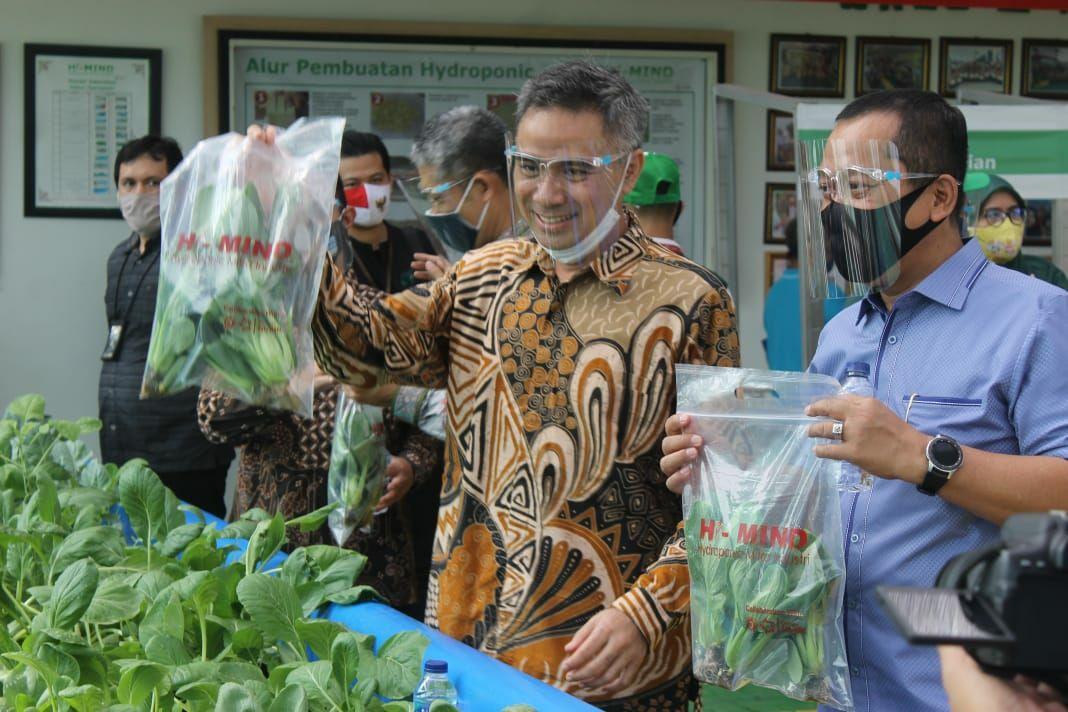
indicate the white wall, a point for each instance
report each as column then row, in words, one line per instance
column 52, row 271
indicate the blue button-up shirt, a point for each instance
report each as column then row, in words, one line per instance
column 983, row 351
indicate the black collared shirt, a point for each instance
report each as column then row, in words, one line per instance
column 163, row 431
column 387, row 267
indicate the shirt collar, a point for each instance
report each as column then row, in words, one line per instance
column 615, row 266
column 135, row 242
column 948, row 285
column 951, row 283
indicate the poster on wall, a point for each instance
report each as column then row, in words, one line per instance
column 392, row 88
column 81, row 105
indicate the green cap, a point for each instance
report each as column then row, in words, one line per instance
column 980, row 186
column 658, row 182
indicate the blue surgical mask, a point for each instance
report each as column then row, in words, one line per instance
column 452, row 230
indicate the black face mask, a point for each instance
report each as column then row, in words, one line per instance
column 856, row 256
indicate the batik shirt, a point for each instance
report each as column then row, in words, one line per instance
column 553, row 505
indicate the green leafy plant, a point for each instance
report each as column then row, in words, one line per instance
column 157, row 619
column 226, row 321
column 358, row 462
column 758, row 613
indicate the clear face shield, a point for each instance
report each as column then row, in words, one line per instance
column 852, row 196
column 569, row 197
column 442, row 208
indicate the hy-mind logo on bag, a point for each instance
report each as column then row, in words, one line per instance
column 766, row 535
column 235, row 244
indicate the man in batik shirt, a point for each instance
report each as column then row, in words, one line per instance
column 557, row 550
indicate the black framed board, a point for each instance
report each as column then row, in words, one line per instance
column 81, row 104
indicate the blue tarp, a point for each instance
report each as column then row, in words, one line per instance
column 483, row 684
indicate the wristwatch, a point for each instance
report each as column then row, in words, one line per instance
column 944, row 457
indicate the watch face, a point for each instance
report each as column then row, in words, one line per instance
column 945, row 453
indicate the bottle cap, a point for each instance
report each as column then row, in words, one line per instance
column 858, row 368
column 435, row 666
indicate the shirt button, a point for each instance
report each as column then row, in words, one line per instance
column 892, row 340
column 129, row 293
column 112, row 427
column 852, row 603
column 855, row 670
column 855, row 538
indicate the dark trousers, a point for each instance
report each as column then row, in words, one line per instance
column 201, row 488
column 424, row 502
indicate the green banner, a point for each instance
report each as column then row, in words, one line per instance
column 1005, row 152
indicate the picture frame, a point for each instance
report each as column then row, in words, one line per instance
column 775, row 263
column 808, row 65
column 892, row 63
column 977, row 63
column 372, row 72
column 780, row 206
column 781, row 147
column 96, row 98
column 1039, row 226
column 1044, row 72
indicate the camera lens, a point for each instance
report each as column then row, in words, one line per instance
column 1058, row 549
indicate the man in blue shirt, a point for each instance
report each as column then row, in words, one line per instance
column 959, row 348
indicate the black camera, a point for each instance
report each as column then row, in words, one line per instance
column 1007, row 604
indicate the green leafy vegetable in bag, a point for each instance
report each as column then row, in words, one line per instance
column 747, row 599
column 243, row 336
column 245, row 227
column 358, row 460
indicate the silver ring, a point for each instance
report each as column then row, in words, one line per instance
column 836, row 430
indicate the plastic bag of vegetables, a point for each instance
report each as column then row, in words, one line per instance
column 763, row 536
column 245, row 228
column 358, row 460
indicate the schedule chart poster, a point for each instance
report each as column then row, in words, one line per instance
column 84, row 109
column 392, row 89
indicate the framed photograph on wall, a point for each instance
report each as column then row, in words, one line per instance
column 1039, row 229
column 780, row 141
column 892, row 63
column 975, row 64
column 1045, row 69
column 81, row 105
column 808, row 65
column 775, row 263
column 780, row 207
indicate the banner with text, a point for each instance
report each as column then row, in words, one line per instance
column 392, row 89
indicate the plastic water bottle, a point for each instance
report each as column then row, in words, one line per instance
column 851, row 478
column 435, row 685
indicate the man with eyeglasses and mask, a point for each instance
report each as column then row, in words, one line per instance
column 997, row 217
column 558, row 549
column 968, row 425
column 461, row 192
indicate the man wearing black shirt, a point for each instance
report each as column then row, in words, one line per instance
column 162, row 431
column 379, row 253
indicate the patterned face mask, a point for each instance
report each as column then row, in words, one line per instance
column 370, row 203
column 1000, row 243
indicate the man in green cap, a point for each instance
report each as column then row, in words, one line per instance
column 997, row 216
column 657, row 201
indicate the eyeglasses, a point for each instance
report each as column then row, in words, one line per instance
column 574, row 169
column 436, row 194
column 858, row 182
column 996, row 216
